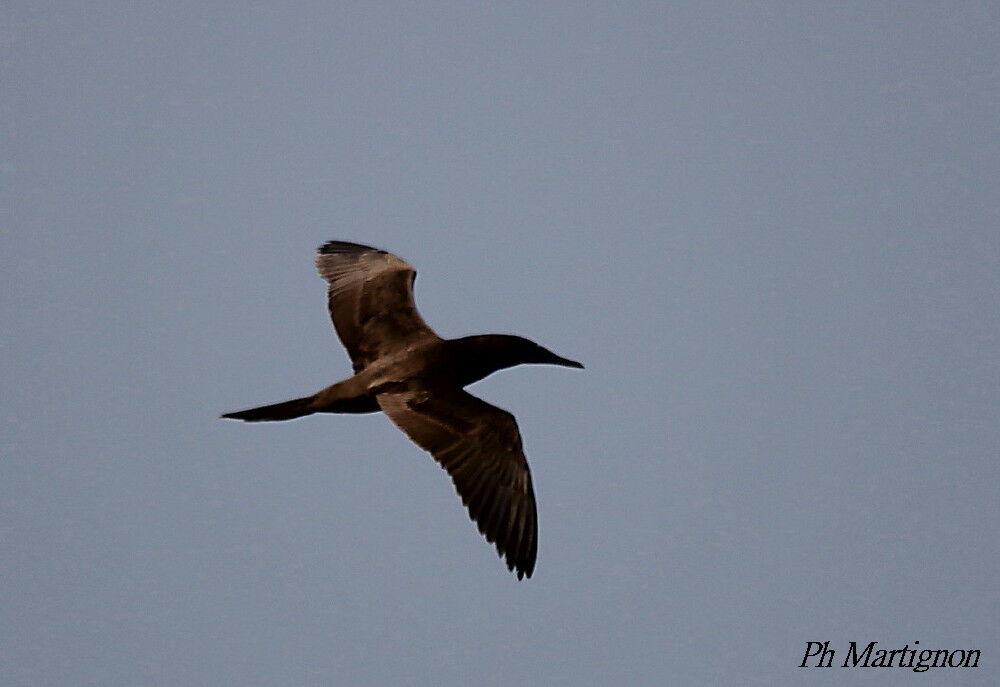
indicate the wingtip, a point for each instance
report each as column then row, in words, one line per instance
column 332, row 247
column 522, row 569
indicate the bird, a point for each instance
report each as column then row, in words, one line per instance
column 405, row 370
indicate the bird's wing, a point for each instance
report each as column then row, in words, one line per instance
column 480, row 447
column 370, row 298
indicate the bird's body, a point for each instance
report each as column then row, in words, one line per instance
column 404, row 369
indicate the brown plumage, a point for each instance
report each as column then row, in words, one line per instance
column 404, row 369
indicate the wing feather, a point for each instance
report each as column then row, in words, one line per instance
column 370, row 298
column 479, row 445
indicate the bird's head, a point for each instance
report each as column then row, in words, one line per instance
column 472, row 358
column 516, row 350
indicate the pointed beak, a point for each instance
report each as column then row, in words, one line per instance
column 565, row 362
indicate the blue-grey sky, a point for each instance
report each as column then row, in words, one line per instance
column 770, row 230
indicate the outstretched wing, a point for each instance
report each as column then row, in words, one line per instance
column 371, row 300
column 480, row 447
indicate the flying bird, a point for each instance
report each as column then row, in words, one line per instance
column 411, row 374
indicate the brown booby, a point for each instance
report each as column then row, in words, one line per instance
column 404, row 369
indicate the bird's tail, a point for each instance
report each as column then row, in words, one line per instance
column 287, row 410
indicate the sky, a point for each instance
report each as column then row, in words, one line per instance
column 769, row 230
